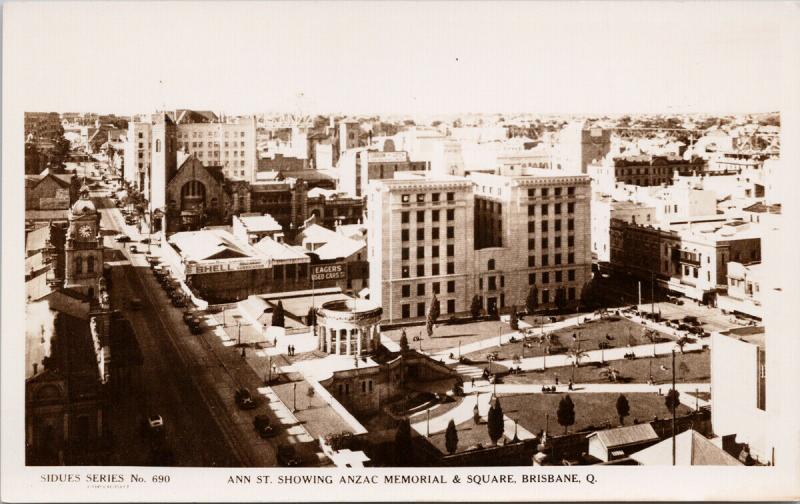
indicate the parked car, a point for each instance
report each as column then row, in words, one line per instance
column 188, row 315
column 263, row 427
column 122, row 238
column 178, row 301
column 195, row 326
column 133, row 249
column 244, row 399
column 287, row 456
column 153, row 425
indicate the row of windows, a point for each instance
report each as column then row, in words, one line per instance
column 405, row 271
column 558, row 277
column 545, row 295
column 544, row 192
column 556, row 242
column 405, row 216
column 545, row 226
column 405, row 233
column 405, row 290
column 405, row 309
column 556, row 208
column 546, row 259
column 404, row 252
column 202, row 144
column 210, row 134
column 89, row 264
column 420, row 198
column 366, row 386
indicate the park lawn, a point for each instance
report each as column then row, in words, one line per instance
column 446, row 336
column 590, row 335
column 591, row 410
column 469, row 435
column 630, row 371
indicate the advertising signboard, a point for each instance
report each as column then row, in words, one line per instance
column 322, row 272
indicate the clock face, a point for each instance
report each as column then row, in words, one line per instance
column 85, row 231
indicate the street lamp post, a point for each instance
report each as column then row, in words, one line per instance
column 294, row 397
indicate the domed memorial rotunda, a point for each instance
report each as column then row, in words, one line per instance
column 349, row 327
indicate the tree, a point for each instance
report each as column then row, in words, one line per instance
column 623, row 408
column 402, row 442
column 566, row 412
column 435, row 310
column 532, row 301
column 403, row 341
column 589, row 294
column 475, row 308
column 278, row 318
column 683, row 369
column 33, row 159
column 561, row 298
column 671, row 400
column 495, row 421
column 514, row 322
column 451, row 437
column 682, row 342
column 311, row 318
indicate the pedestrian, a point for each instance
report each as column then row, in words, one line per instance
column 473, row 382
column 556, row 379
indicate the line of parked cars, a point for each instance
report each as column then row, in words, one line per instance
column 170, row 284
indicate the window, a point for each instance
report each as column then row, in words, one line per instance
column 571, row 225
column 558, row 259
column 570, row 207
column 545, row 277
column 558, row 242
column 502, row 281
column 404, row 253
column 405, row 198
column 531, row 243
column 405, row 310
column 532, row 226
column 405, row 290
column 559, row 276
column 571, row 275
column 79, row 265
column 420, row 234
column 404, row 235
column 405, row 272
column 545, row 296
column 451, row 250
column 451, row 268
column 451, row 214
column 140, row 134
column 531, row 278
column 570, row 241
column 421, row 216
column 435, row 215
column 544, row 242
column 451, row 196
column 451, row 306
column 435, row 287
column 531, row 193
column 531, row 210
column 545, row 260
column 570, row 190
column 558, row 225
column 435, row 251
column 571, row 293
column 420, row 252
column 531, row 261
column 435, row 268
column 435, row 197
column 90, row 264
column 570, row 258
column 404, row 217
column 557, row 191
column 451, row 232
column 435, row 233
column 545, row 208
column 420, row 270
column 558, row 208
column 421, row 198
column 420, row 309
column 544, row 192
column 492, row 283
column 480, row 284
column 421, row 289
column 490, row 266
column 451, row 286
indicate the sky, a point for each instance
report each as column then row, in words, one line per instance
column 397, row 57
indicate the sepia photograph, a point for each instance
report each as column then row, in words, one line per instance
column 364, row 251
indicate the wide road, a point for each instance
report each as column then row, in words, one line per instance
column 181, row 379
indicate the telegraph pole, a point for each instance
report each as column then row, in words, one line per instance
column 674, row 406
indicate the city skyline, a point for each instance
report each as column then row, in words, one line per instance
column 449, row 61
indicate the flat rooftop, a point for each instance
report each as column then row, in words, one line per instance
column 753, row 335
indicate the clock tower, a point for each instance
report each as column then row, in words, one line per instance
column 84, row 248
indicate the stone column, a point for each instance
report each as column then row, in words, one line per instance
column 349, row 336
column 328, row 340
column 360, row 333
column 338, row 340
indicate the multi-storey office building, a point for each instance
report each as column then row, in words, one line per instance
column 420, row 244
column 491, row 236
column 229, row 145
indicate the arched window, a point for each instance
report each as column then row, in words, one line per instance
column 79, row 265
column 158, row 145
column 491, row 265
column 90, row 264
